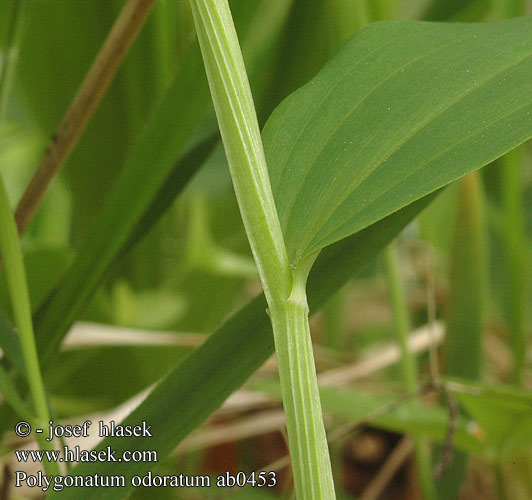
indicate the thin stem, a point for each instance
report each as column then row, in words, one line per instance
column 402, row 322
column 515, row 262
column 301, row 401
column 285, row 295
column 100, row 75
column 14, row 265
column 408, row 365
column 18, row 290
column 517, row 272
column 243, row 145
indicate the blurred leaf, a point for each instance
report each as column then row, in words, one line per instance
column 10, row 394
column 465, row 311
column 305, row 46
column 44, row 268
column 232, row 354
column 503, row 412
column 437, row 223
column 410, row 418
column 183, row 170
column 382, row 125
column 465, row 316
column 111, row 375
column 62, row 39
column 456, row 10
column 150, row 309
column 148, row 167
column 10, row 344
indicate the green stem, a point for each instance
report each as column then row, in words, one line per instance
column 306, row 434
column 408, row 366
column 515, row 262
column 18, row 290
column 287, row 305
column 13, row 262
column 514, row 232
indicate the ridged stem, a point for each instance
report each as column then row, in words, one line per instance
column 285, row 294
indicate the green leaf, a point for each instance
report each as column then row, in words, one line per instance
column 10, row 394
column 44, row 267
column 387, row 411
column 403, row 109
column 143, row 176
column 62, row 38
column 503, row 412
column 230, row 356
column 456, row 10
column 411, row 417
column 10, row 345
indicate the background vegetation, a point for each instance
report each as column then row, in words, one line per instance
column 138, row 250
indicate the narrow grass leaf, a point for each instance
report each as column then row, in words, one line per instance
column 179, row 176
column 403, row 109
column 144, row 174
column 465, row 312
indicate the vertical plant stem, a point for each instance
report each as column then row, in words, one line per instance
column 515, row 262
column 285, row 295
column 468, row 284
column 18, row 291
column 465, row 310
column 12, row 259
column 516, row 268
column 408, row 366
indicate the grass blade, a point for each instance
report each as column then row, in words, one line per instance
column 408, row 365
column 147, row 169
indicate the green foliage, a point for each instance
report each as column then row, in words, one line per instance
column 369, row 135
column 353, row 156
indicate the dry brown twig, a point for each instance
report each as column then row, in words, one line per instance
column 122, row 34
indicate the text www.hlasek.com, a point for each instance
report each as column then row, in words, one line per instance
column 79, row 455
